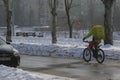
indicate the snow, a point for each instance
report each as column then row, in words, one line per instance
column 42, row 46
column 7, row 73
column 65, row 47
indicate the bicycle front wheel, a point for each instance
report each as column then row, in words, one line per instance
column 100, row 56
column 87, row 54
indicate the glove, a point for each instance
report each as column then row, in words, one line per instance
column 84, row 39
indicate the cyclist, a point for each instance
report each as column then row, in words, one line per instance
column 97, row 31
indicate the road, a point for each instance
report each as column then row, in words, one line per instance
column 72, row 68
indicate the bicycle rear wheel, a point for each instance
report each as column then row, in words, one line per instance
column 100, row 56
column 87, row 54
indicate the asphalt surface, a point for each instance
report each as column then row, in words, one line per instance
column 72, row 68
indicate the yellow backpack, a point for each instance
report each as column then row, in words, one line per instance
column 98, row 32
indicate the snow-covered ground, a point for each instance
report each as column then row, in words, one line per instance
column 65, row 47
column 7, row 73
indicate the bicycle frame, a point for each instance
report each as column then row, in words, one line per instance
column 96, row 47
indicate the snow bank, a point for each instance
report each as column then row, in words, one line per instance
column 7, row 73
column 65, row 47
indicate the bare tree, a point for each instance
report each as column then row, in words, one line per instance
column 107, row 21
column 53, row 6
column 8, row 19
column 68, row 5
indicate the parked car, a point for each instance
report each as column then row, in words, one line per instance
column 8, row 55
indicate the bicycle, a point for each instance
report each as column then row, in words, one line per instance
column 96, row 52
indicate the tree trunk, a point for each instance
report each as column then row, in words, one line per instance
column 69, row 24
column 9, row 32
column 52, row 4
column 8, row 20
column 54, row 39
column 108, row 21
column 108, row 26
column 68, row 4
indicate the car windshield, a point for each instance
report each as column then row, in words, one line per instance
column 2, row 41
